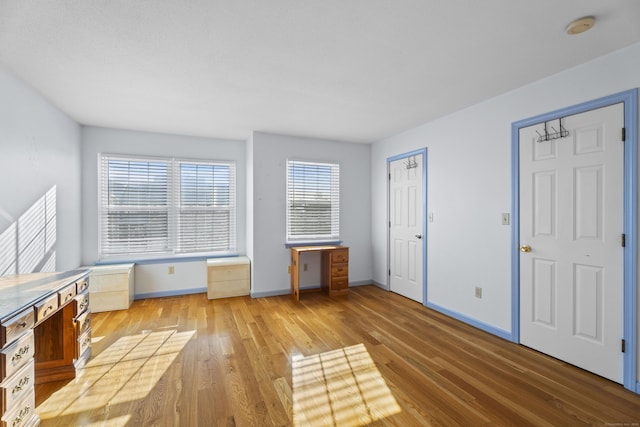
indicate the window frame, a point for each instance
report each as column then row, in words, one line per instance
column 106, row 251
column 333, row 237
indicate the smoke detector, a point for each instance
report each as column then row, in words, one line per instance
column 581, row 25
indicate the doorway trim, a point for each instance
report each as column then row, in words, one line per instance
column 630, row 318
column 419, row 151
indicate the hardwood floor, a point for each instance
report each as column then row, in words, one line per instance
column 370, row 358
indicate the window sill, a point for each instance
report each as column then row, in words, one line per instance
column 313, row 243
column 169, row 259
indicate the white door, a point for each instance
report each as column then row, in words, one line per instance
column 571, row 220
column 405, row 227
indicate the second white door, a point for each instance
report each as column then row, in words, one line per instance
column 406, row 227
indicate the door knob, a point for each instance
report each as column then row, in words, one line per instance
column 525, row 248
column 419, row 236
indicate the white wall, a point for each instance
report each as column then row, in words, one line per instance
column 268, row 187
column 469, row 185
column 39, row 151
column 154, row 279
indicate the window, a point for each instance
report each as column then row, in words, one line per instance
column 157, row 207
column 313, row 202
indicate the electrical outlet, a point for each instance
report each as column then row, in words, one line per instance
column 430, row 216
column 478, row 292
column 305, row 267
column 171, row 270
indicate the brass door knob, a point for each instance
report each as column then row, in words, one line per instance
column 525, row 248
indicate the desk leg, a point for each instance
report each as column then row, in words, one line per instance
column 295, row 275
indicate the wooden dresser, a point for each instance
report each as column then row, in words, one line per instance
column 334, row 270
column 45, row 334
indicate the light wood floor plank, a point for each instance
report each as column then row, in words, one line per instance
column 189, row 361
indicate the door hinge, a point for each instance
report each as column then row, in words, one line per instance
column 389, row 272
column 623, row 345
column 624, row 134
column 389, row 177
column 389, row 224
column 623, row 240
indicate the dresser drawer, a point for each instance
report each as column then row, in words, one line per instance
column 228, row 273
column 339, row 270
column 46, row 307
column 81, row 302
column 22, row 415
column 16, row 326
column 16, row 387
column 16, row 355
column 65, row 295
column 340, row 256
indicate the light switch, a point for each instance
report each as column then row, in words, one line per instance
column 505, row 219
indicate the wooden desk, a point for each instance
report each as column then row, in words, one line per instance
column 45, row 335
column 334, row 272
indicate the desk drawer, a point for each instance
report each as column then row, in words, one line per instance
column 22, row 414
column 339, row 270
column 81, row 302
column 46, row 307
column 65, row 295
column 83, row 348
column 339, row 283
column 16, row 355
column 16, row 326
column 15, row 388
column 82, row 323
column 340, row 256
column 82, row 285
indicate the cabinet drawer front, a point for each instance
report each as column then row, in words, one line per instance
column 22, row 415
column 46, row 308
column 81, row 302
column 339, row 283
column 84, row 344
column 17, row 355
column 82, row 285
column 340, row 255
column 339, row 270
column 223, row 274
column 15, row 388
column 109, row 282
column 82, row 323
column 65, row 295
column 17, row 326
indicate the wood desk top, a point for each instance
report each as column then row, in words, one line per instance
column 21, row 290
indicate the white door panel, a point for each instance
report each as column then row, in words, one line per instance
column 405, row 232
column 571, row 215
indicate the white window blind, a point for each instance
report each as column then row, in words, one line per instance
column 206, row 213
column 313, row 202
column 158, row 207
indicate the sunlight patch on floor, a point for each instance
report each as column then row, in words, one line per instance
column 124, row 373
column 340, row 388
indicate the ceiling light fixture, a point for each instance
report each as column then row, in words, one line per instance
column 581, row 25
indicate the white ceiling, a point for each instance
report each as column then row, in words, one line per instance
column 354, row 70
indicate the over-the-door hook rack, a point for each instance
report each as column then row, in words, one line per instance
column 556, row 134
column 411, row 163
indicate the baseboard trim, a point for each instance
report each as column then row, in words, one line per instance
column 470, row 321
column 174, row 293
